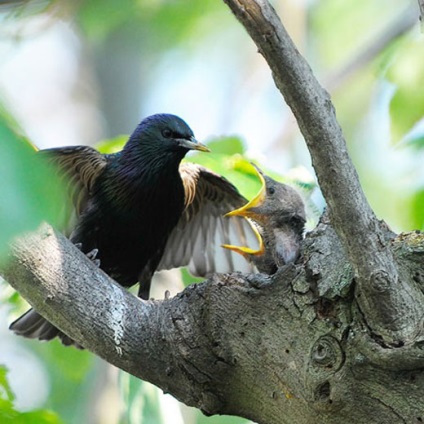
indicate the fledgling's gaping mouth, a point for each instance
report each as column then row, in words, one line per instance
column 249, row 211
column 245, row 250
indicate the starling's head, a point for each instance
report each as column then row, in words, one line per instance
column 164, row 133
column 275, row 204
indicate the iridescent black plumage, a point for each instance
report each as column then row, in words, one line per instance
column 119, row 200
column 139, row 203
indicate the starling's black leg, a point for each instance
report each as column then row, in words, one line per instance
column 144, row 289
column 145, row 276
column 145, row 281
column 143, row 292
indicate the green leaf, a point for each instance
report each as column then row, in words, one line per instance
column 99, row 18
column 112, row 145
column 236, row 168
column 4, row 386
column 166, row 23
column 417, row 214
column 30, row 191
column 227, row 146
column 188, row 278
column 34, row 417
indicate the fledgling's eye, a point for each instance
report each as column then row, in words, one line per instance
column 167, row 133
column 271, row 190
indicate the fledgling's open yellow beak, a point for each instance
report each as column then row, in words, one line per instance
column 245, row 212
column 247, row 251
column 258, row 200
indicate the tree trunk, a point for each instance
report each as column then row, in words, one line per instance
column 337, row 338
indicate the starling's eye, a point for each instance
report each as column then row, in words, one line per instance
column 167, row 133
column 271, row 190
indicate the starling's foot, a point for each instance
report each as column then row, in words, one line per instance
column 92, row 256
column 78, row 246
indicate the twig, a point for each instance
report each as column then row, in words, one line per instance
column 403, row 23
column 421, row 5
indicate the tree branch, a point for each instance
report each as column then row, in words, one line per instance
column 379, row 288
column 279, row 349
column 372, row 48
column 201, row 346
column 421, row 6
column 156, row 341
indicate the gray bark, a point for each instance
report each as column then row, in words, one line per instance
column 291, row 348
column 334, row 339
column 380, row 288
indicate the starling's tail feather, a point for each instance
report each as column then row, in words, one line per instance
column 33, row 326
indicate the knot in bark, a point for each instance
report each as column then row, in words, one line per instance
column 380, row 281
column 327, row 353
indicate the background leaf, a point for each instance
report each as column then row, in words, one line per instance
column 30, row 191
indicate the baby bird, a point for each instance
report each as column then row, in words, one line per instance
column 278, row 214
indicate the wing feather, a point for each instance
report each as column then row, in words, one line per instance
column 78, row 167
column 202, row 229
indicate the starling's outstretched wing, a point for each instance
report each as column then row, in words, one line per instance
column 78, row 166
column 202, row 229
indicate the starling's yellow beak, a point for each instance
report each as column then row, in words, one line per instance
column 192, row 144
column 246, row 251
column 258, row 200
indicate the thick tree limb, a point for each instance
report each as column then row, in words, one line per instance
column 148, row 339
column 392, row 307
column 291, row 348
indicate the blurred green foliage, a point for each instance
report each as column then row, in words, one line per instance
column 8, row 413
column 160, row 24
column 417, row 215
column 406, row 73
column 30, row 193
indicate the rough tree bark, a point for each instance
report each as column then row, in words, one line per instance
column 337, row 338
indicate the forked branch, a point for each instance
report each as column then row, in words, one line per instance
column 391, row 306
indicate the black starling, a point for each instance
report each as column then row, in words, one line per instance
column 144, row 211
column 279, row 214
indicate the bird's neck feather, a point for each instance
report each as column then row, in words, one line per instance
column 151, row 173
column 149, row 159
